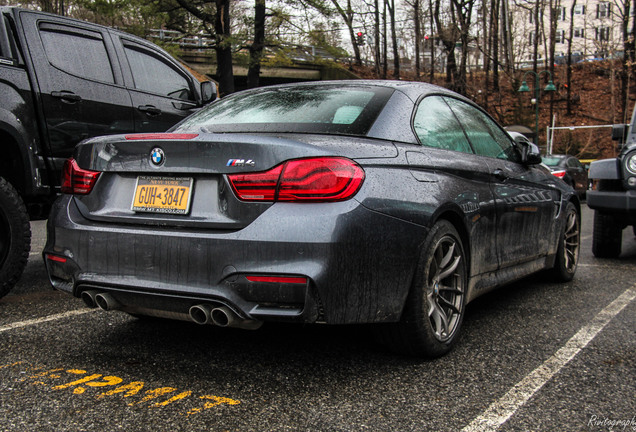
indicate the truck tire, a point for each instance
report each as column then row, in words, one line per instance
column 15, row 237
column 606, row 241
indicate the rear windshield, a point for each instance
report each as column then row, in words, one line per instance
column 347, row 110
column 551, row 160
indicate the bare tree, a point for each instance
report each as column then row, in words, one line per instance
column 256, row 48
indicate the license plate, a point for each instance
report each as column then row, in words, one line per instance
column 162, row 195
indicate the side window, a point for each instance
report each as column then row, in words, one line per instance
column 486, row 138
column 153, row 75
column 574, row 163
column 81, row 54
column 436, row 126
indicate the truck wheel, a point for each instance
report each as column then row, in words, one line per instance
column 15, row 237
column 606, row 241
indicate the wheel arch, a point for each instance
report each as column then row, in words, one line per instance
column 455, row 217
column 12, row 163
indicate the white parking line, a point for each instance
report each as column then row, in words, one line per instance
column 500, row 411
column 44, row 319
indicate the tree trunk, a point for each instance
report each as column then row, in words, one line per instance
column 376, row 36
column 223, row 47
column 418, row 37
column 496, row 4
column 347, row 16
column 569, row 60
column 396, row 54
column 256, row 49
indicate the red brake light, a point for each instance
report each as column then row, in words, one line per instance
column 160, row 136
column 277, row 279
column 76, row 180
column 308, row 180
column 559, row 174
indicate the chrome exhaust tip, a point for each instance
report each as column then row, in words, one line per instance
column 200, row 314
column 107, row 302
column 88, row 297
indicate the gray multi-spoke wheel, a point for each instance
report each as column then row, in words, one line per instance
column 445, row 288
column 434, row 308
column 567, row 258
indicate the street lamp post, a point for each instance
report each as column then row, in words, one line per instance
column 537, row 93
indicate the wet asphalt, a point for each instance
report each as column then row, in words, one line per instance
column 89, row 370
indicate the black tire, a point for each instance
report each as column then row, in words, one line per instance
column 434, row 309
column 567, row 258
column 607, row 238
column 15, row 237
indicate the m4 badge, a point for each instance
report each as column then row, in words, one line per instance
column 240, row 162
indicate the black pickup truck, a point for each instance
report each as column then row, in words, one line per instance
column 62, row 81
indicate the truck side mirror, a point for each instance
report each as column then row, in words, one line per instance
column 619, row 132
column 530, row 154
column 208, row 91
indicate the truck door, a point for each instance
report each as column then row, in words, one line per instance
column 81, row 86
column 162, row 92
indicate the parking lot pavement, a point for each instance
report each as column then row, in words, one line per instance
column 533, row 356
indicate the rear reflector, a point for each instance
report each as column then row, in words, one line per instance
column 559, row 174
column 322, row 179
column 277, row 279
column 55, row 258
column 76, row 180
column 160, row 136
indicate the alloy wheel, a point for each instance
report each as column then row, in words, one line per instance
column 445, row 288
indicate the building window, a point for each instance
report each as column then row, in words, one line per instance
column 579, row 33
column 602, row 33
column 579, row 10
column 531, row 38
column 560, row 36
column 563, row 14
column 603, row 10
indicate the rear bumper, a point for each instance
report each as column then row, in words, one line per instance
column 349, row 264
column 613, row 202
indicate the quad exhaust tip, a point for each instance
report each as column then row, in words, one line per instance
column 222, row 317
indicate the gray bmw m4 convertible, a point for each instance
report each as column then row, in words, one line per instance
column 345, row 202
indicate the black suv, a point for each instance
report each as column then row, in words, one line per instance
column 614, row 198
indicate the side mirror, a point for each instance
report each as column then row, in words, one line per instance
column 619, row 132
column 530, row 154
column 208, row 91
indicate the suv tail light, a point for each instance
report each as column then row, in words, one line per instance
column 321, row 179
column 560, row 174
column 76, row 180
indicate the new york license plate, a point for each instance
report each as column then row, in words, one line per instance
column 162, row 195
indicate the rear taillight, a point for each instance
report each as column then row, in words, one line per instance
column 307, row 180
column 76, row 180
column 559, row 174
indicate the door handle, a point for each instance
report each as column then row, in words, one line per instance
column 500, row 174
column 151, row 110
column 66, row 96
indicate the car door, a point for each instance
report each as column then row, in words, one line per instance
column 161, row 92
column 451, row 175
column 80, row 83
column 526, row 203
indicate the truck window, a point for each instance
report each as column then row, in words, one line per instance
column 82, row 55
column 153, row 75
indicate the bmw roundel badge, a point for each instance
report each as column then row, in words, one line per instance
column 157, row 157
